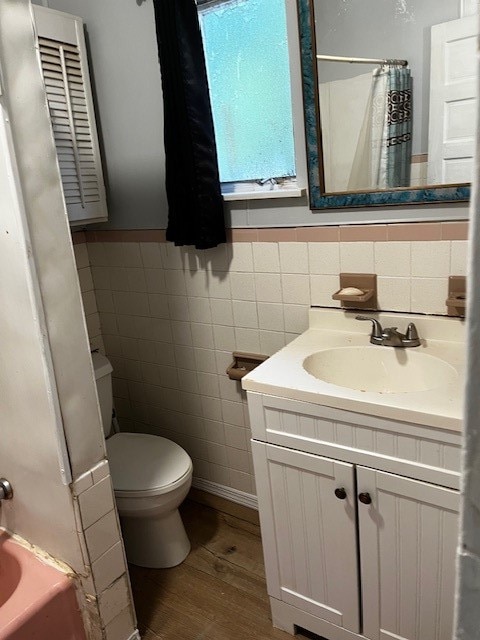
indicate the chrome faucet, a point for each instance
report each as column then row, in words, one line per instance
column 391, row 337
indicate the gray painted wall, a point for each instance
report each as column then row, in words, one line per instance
column 127, row 84
column 122, row 42
column 383, row 29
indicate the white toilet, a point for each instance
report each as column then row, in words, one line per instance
column 151, row 477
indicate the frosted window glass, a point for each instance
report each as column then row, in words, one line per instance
column 248, row 71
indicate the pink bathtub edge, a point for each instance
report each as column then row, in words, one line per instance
column 37, row 600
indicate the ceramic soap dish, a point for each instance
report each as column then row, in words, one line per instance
column 457, row 296
column 357, row 290
column 243, row 363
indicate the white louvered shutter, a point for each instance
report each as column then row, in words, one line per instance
column 67, row 84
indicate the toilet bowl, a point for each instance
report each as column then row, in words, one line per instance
column 151, row 477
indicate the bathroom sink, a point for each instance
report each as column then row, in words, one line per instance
column 333, row 365
column 380, row 369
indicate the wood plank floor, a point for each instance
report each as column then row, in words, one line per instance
column 218, row 593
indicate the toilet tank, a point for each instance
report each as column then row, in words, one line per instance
column 103, row 378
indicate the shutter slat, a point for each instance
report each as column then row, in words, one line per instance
column 60, row 106
column 70, row 50
column 54, row 90
column 49, row 67
column 49, row 60
column 57, row 101
column 59, row 113
column 53, row 82
column 61, row 128
column 53, row 77
column 45, row 43
column 72, row 62
column 58, row 120
column 65, row 136
column 48, row 43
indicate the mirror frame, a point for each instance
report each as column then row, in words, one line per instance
column 313, row 134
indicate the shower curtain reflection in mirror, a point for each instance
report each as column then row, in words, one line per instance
column 367, row 130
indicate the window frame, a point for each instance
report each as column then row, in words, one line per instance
column 296, row 186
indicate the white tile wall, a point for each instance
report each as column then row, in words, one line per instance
column 324, row 258
column 114, row 600
column 95, row 502
column 98, row 519
column 108, row 567
column 171, row 318
column 431, row 259
column 458, row 262
column 106, row 582
column 88, row 295
column 116, row 628
column 265, row 257
column 293, row 257
column 357, row 257
column 102, row 535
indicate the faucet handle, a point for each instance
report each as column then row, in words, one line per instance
column 377, row 331
column 412, row 333
column 412, row 338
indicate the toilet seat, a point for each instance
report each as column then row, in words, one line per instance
column 143, row 465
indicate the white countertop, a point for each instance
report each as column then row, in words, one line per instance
column 283, row 375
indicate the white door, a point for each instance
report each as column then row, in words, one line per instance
column 408, row 539
column 308, row 533
column 33, row 455
column 453, row 92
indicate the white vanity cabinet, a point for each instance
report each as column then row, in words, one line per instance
column 407, row 543
column 310, row 537
column 359, row 521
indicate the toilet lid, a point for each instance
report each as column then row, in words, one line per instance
column 145, row 463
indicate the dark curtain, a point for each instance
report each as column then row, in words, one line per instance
column 195, row 201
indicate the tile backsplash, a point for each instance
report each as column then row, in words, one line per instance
column 92, row 318
column 170, row 318
column 106, row 585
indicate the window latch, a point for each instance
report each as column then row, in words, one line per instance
column 272, row 181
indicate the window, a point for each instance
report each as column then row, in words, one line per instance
column 247, row 58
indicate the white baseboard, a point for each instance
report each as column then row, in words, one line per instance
column 135, row 636
column 234, row 495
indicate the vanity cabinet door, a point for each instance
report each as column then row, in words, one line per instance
column 309, row 532
column 408, row 539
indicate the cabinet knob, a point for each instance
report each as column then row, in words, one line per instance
column 365, row 498
column 341, row 493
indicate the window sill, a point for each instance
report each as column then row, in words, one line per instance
column 252, row 191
